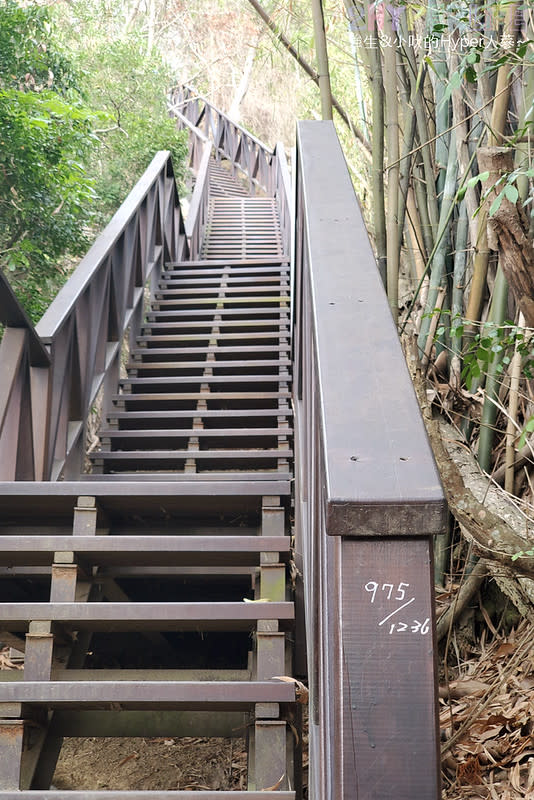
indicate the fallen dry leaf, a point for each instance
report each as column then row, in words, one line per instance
column 301, row 691
column 276, row 785
column 505, row 649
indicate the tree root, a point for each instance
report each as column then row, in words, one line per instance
column 468, row 589
column 488, row 519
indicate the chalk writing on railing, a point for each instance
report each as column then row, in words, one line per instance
column 397, row 592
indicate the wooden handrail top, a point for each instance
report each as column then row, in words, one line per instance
column 380, row 474
column 63, row 304
column 13, row 315
column 236, row 125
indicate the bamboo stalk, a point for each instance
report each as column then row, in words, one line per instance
column 321, row 54
column 392, row 134
column 376, row 84
column 497, row 315
column 416, row 233
column 495, row 137
column 358, row 81
column 525, row 113
column 420, row 196
column 459, row 120
column 439, row 257
column 405, row 167
column 309, row 70
column 504, row 87
column 433, row 325
column 457, row 300
column 511, row 426
column 425, row 150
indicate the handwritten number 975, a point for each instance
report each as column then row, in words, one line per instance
column 391, row 591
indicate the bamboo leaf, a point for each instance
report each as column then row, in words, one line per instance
column 529, row 427
column 496, row 204
column 511, row 193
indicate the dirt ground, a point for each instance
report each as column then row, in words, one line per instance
column 171, row 764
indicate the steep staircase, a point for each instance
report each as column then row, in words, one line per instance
column 206, row 399
column 171, row 580
column 208, row 387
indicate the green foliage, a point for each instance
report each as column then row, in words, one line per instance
column 529, row 427
column 509, row 190
column 45, row 134
column 492, row 341
column 523, row 554
column 79, row 124
column 130, row 86
column 29, row 56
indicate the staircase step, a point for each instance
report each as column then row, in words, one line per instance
column 199, row 343
column 146, row 616
column 211, row 418
column 251, row 261
column 217, row 383
column 246, row 482
column 145, row 550
column 209, row 395
column 258, row 366
column 232, row 276
column 202, row 695
column 226, row 302
column 218, row 290
column 219, row 352
column 208, row 324
column 205, row 460
column 169, row 400
column 225, row 313
column 132, row 675
column 59, row 794
column 209, row 438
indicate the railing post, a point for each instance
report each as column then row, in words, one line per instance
column 368, row 501
column 86, row 324
column 24, row 393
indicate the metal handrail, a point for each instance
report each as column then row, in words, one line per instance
column 12, row 315
column 265, row 169
column 189, row 95
column 53, row 374
column 368, row 500
column 195, row 223
column 231, row 141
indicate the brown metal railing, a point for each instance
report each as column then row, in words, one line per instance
column 53, row 374
column 368, row 501
column 42, row 436
column 230, row 141
column 264, row 169
column 24, row 395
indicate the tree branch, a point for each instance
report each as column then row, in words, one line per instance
column 309, row 70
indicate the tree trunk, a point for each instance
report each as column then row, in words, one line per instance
column 321, row 54
column 508, row 233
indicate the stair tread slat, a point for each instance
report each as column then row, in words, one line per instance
column 62, row 794
column 168, row 616
column 153, row 694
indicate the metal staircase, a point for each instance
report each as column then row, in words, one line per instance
column 190, row 536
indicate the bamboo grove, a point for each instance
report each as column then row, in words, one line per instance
column 441, row 110
column 452, row 94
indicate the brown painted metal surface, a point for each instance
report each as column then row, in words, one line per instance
column 368, row 499
column 145, row 616
column 200, row 434
column 132, row 695
column 197, row 323
column 195, row 457
column 142, row 550
column 378, row 465
column 145, row 795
